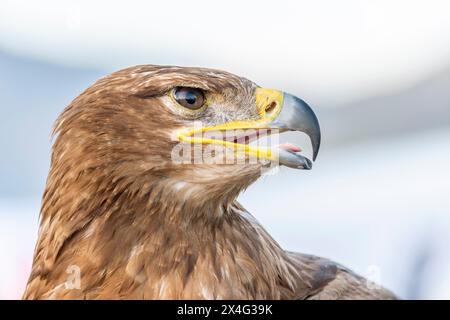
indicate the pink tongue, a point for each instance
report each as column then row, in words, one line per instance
column 290, row 147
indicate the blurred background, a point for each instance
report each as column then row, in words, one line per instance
column 377, row 73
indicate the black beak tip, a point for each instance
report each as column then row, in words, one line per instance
column 316, row 150
column 308, row 165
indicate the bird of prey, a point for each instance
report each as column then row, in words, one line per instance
column 122, row 218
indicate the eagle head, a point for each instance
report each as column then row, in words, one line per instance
column 192, row 129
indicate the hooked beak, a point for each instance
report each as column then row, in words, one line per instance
column 297, row 115
column 277, row 110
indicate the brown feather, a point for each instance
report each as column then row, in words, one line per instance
column 114, row 206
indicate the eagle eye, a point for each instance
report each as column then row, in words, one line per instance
column 191, row 98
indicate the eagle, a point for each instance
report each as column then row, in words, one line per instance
column 126, row 215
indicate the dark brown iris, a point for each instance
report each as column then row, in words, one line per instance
column 190, row 98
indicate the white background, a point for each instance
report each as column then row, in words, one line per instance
column 376, row 72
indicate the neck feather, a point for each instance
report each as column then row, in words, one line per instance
column 135, row 238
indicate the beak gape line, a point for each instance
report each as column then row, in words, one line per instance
column 229, row 143
column 238, row 146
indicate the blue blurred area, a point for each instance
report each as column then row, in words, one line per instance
column 32, row 94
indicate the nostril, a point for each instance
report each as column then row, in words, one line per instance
column 270, row 108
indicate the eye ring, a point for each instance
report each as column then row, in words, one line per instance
column 189, row 98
